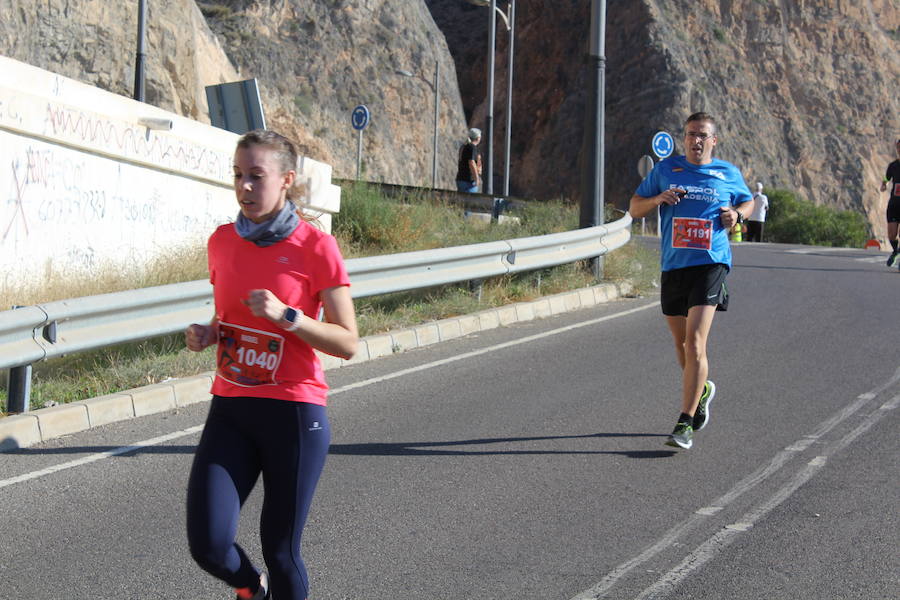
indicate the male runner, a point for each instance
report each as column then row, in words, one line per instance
column 700, row 198
column 893, row 208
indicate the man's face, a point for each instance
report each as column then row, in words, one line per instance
column 699, row 141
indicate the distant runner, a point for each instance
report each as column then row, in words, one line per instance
column 700, row 198
column 893, row 208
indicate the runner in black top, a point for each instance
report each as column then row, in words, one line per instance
column 893, row 208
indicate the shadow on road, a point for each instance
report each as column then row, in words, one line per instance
column 451, row 448
column 448, row 448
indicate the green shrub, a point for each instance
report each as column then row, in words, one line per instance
column 793, row 220
column 304, row 103
column 370, row 223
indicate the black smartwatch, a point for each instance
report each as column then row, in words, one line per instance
column 740, row 217
column 291, row 318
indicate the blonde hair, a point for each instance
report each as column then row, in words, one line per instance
column 286, row 153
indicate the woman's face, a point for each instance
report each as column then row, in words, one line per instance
column 259, row 184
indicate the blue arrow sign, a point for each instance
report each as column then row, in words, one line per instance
column 662, row 145
column 360, row 117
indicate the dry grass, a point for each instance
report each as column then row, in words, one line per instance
column 187, row 263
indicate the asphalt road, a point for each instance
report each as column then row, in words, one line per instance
column 527, row 462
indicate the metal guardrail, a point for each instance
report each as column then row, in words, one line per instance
column 33, row 333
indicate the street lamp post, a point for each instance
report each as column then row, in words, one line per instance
column 509, row 21
column 437, row 99
column 593, row 173
column 139, row 59
column 511, row 9
column 489, row 122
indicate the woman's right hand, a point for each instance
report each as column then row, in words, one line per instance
column 198, row 337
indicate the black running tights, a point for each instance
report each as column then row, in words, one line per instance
column 287, row 442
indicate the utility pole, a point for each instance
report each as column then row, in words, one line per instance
column 593, row 173
column 141, row 54
column 488, row 175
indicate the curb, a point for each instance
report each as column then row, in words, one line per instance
column 34, row 427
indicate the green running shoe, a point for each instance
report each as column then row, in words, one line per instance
column 892, row 259
column 701, row 417
column 682, row 436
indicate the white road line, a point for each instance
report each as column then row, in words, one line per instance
column 191, row 430
column 100, row 456
column 669, row 539
column 817, row 250
column 718, row 542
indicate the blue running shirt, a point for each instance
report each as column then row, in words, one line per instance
column 692, row 232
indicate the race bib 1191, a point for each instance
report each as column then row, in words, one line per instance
column 692, row 233
column 248, row 357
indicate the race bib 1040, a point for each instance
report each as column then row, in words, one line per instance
column 692, row 233
column 248, row 357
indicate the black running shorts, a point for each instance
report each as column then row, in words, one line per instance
column 893, row 210
column 703, row 285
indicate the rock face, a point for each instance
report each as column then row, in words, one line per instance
column 318, row 59
column 95, row 41
column 804, row 91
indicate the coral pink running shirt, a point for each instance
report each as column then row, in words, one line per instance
column 255, row 357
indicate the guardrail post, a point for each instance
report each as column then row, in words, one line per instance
column 497, row 209
column 19, row 390
column 476, row 286
column 597, row 267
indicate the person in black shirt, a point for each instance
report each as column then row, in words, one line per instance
column 893, row 208
column 468, row 173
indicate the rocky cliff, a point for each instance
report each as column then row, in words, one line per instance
column 94, row 41
column 805, row 90
column 318, row 59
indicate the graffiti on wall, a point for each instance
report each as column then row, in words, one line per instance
column 62, row 210
column 133, row 142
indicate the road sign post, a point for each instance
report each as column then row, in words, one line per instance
column 662, row 146
column 359, row 119
column 645, row 165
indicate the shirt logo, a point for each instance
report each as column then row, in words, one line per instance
column 677, row 169
column 283, row 260
column 718, row 174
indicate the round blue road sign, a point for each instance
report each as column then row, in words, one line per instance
column 662, row 145
column 360, row 117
